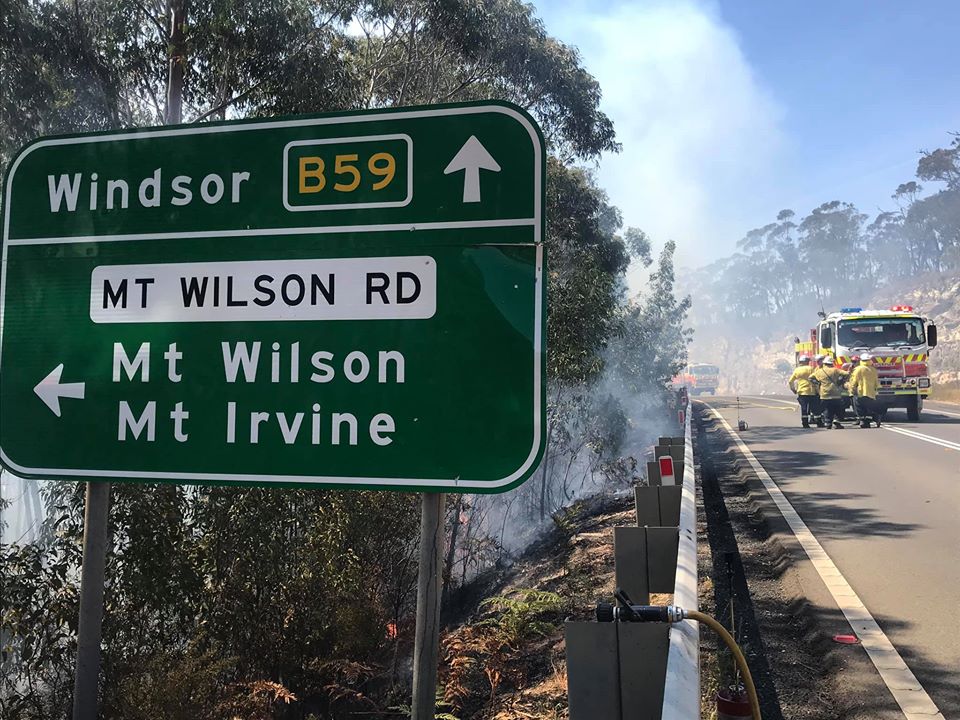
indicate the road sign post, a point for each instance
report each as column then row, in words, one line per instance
column 91, row 600
column 353, row 300
column 426, row 641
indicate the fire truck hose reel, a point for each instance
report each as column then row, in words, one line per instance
column 626, row 611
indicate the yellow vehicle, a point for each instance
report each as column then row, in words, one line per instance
column 900, row 341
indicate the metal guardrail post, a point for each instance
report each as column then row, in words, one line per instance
column 681, row 694
column 662, row 677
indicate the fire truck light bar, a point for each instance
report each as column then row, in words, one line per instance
column 902, row 308
column 848, row 310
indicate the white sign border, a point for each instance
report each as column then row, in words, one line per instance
column 241, row 478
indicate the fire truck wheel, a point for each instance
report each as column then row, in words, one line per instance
column 913, row 411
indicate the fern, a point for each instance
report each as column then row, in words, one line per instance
column 520, row 617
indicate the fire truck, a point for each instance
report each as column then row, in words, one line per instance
column 699, row 378
column 899, row 340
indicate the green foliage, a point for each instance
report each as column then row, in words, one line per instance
column 261, row 587
column 564, row 519
column 441, row 705
column 586, row 262
column 38, row 615
column 428, row 51
column 175, row 685
column 97, row 64
column 240, row 601
column 653, row 347
column 532, row 612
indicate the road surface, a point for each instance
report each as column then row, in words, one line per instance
column 885, row 505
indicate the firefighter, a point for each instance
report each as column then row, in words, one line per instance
column 817, row 405
column 846, row 368
column 863, row 387
column 830, row 381
column 801, row 386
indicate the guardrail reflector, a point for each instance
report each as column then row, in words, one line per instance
column 666, row 471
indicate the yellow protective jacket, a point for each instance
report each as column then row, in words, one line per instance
column 830, row 380
column 800, row 383
column 864, row 381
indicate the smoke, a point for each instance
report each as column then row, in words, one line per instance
column 22, row 510
column 701, row 134
column 599, row 440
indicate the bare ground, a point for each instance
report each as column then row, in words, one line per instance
column 574, row 560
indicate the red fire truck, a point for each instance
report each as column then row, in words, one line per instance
column 899, row 340
column 698, row 378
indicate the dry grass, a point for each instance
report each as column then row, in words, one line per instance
column 709, row 655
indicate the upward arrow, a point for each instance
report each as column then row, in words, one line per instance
column 472, row 158
column 50, row 389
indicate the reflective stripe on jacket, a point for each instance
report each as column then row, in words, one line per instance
column 800, row 383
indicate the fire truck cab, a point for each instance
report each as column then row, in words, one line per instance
column 699, row 378
column 899, row 340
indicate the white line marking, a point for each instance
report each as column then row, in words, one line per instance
column 933, row 408
column 925, row 438
column 792, row 405
column 325, row 230
column 899, row 679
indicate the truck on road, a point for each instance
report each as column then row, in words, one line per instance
column 899, row 339
column 699, row 378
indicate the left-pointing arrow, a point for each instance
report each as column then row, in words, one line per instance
column 50, row 389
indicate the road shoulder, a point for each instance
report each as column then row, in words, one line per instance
column 778, row 589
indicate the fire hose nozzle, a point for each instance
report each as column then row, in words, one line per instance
column 639, row 613
column 606, row 612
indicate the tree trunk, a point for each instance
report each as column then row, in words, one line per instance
column 177, row 14
column 451, row 552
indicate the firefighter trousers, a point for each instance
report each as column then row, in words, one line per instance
column 809, row 408
column 832, row 410
column 867, row 409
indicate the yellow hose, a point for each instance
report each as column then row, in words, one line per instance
column 737, row 655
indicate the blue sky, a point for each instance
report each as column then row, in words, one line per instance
column 731, row 110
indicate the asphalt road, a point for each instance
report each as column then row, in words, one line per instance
column 885, row 505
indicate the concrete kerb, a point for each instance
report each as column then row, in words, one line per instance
column 681, row 696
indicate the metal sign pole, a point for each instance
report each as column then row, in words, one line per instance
column 91, row 600
column 426, row 645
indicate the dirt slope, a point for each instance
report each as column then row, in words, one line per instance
column 494, row 670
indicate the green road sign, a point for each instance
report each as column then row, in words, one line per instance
column 349, row 300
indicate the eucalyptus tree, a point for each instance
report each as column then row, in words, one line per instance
column 212, row 589
column 429, row 51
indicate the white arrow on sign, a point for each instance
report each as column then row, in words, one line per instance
column 50, row 389
column 472, row 158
